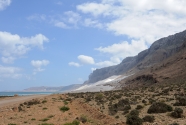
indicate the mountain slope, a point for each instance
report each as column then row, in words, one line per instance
column 158, row 52
column 171, row 70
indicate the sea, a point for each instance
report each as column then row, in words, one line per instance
column 24, row 93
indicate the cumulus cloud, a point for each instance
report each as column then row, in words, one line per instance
column 74, row 64
column 86, row 59
column 8, row 60
column 72, row 17
column 13, row 46
column 4, row 4
column 38, row 64
column 119, row 51
column 124, row 49
column 142, row 22
column 147, row 20
column 61, row 25
column 94, row 8
column 92, row 23
column 10, row 72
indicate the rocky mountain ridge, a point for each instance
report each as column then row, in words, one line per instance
column 158, row 52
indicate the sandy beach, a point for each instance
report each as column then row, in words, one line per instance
column 18, row 99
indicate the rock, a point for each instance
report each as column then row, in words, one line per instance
column 15, row 109
column 158, row 51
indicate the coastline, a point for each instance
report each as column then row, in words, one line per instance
column 7, row 101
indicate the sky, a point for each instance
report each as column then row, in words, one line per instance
column 60, row 42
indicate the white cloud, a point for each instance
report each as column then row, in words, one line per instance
column 10, row 72
column 37, row 17
column 92, row 23
column 147, row 20
column 4, row 4
column 72, row 17
column 74, row 64
column 38, row 64
column 13, row 46
column 119, row 51
column 142, row 22
column 94, row 8
column 124, row 49
column 61, row 25
column 86, row 59
column 66, row 20
column 92, row 69
column 8, row 60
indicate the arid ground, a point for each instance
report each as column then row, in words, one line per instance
column 154, row 105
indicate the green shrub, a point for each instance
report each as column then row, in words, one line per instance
column 144, row 101
column 148, row 118
column 139, row 107
column 45, row 108
column 159, row 107
column 44, row 101
column 83, row 119
column 177, row 113
column 113, row 109
column 127, row 107
column 99, row 96
column 44, row 120
column 133, row 118
column 134, row 112
column 125, row 112
column 65, row 102
column 50, row 116
column 117, row 117
column 174, row 124
column 181, row 101
column 151, row 101
column 64, row 108
column 46, row 124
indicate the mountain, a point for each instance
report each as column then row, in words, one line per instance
column 159, row 51
column 43, row 89
column 53, row 89
column 70, row 87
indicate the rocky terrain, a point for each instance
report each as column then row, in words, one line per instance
column 159, row 51
column 158, row 104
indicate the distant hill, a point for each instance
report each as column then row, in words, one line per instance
column 43, row 89
column 53, row 89
column 70, row 87
column 158, row 52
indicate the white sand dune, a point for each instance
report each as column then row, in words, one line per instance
column 102, row 85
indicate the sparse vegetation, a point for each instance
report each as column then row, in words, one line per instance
column 148, row 118
column 177, row 113
column 75, row 122
column 64, row 108
column 133, row 118
column 159, row 107
column 44, row 120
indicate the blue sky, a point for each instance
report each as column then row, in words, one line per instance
column 60, row 42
